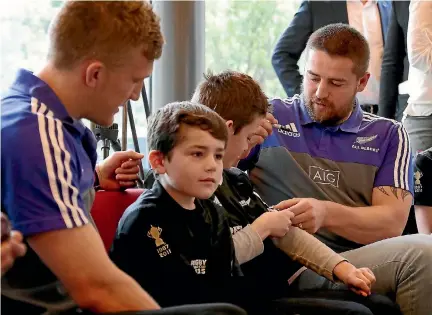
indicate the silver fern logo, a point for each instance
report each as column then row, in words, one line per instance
column 360, row 144
column 363, row 140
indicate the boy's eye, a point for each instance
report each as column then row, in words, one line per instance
column 197, row 154
column 219, row 156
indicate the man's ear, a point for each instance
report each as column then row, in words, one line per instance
column 157, row 161
column 230, row 125
column 363, row 82
column 95, row 72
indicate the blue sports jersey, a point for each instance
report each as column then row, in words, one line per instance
column 48, row 162
column 47, row 158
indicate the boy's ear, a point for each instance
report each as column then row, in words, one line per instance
column 156, row 160
column 230, row 125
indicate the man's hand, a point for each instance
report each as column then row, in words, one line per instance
column 264, row 130
column 359, row 280
column 119, row 170
column 11, row 247
column 308, row 213
column 273, row 223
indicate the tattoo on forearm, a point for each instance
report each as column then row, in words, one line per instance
column 381, row 189
column 404, row 194
column 394, row 191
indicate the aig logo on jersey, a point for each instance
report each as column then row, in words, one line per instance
column 161, row 247
column 199, row 266
column 288, row 130
column 322, row 176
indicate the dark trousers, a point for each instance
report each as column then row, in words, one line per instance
column 333, row 302
column 199, row 309
column 11, row 307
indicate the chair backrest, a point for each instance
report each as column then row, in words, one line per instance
column 107, row 209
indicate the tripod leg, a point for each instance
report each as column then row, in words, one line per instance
column 105, row 148
column 135, row 141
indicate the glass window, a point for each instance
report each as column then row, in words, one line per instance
column 241, row 35
column 24, row 44
column 24, row 26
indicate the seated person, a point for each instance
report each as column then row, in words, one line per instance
column 179, row 247
column 423, row 191
column 48, row 176
column 248, row 217
column 349, row 172
column 47, row 172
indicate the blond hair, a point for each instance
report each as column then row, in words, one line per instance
column 103, row 30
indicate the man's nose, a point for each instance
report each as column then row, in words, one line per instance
column 322, row 91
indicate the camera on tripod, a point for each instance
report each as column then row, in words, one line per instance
column 109, row 137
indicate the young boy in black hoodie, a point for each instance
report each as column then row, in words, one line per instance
column 167, row 236
column 180, row 247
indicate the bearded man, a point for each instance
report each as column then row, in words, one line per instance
column 345, row 174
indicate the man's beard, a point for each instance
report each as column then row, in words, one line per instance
column 330, row 117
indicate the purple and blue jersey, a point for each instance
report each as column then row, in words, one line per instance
column 341, row 163
column 47, row 158
column 47, row 162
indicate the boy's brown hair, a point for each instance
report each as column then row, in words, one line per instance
column 342, row 40
column 103, row 30
column 164, row 124
column 233, row 95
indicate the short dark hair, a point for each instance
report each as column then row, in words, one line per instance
column 342, row 40
column 233, row 95
column 163, row 126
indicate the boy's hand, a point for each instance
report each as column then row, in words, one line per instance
column 273, row 223
column 359, row 280
column 119, row 170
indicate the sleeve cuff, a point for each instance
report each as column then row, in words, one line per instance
column 248, row 244
column 330, row 266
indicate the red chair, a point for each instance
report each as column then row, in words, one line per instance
column 107, row 209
